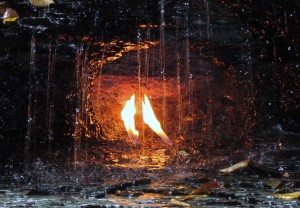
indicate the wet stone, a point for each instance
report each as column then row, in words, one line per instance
column 262, row 169
column 98, row 194
column 112, row 189
column 179, row 191
column 92, row 193
column 142, row 181
column 2, row 192
column 157, row 190
column 224, row 203
column 225, row 195
column 56, row 204
column 41, row 191
column 193, row 179
column 68, row 189
column 253, row 201
column 129, row 194
column 296, row 184
column 246, row 185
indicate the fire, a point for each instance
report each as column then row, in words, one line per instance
column 127, row 115
column 149, row 118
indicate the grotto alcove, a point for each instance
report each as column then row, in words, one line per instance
column 222, row 80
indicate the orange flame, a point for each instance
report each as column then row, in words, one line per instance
column 127, row 115
column 150, row 119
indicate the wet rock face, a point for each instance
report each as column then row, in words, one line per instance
column 59, row 32
column 261, row 48
column 202, row 110
column 64, row 18
column 85, row 17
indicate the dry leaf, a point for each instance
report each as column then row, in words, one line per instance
column 41, row 3
column 235, row 167
column 183, row 153
column 206, row 188
column 179, row 203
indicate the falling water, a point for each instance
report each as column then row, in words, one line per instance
column 189, row 75
column 178, row 76
column 274, row 55
column 147, row 56
column 162, row 57
column 285, row 23
column 249, row 71
column 209, row 117
column 96, row 19
column 30, row 137
column 139, row 72
column 49, row 94
column 209, row 26
column 104, row 50
column 82, row 83
column 77, row 130
column 86, row 100
column 139, row 61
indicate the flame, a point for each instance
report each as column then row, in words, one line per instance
column 127, row 115
column 150, row 119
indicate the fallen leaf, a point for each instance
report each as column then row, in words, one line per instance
column 207, row 188
column 235, row 167
column 179, row 203
column 41, row 3
column 273, row 182
column 10, row 15
column 10, row 20
column 288, row 196
column 183, row 153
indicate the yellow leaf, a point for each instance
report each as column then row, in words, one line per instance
column 288, row 196
column 10, row 19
